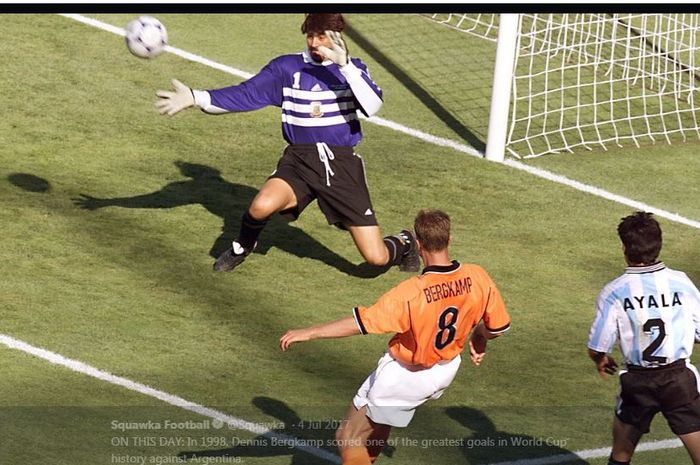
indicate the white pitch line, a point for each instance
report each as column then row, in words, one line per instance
column 168, row 48
column 283, row 439
column 592, row 453
column 425, row 137
column 429, row 138
column 675, row 217
column 176, row 401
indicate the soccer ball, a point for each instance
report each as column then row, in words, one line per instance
column 146, row 37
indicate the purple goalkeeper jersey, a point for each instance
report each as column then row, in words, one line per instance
column 319, row 102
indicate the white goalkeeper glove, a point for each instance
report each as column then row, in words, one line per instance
column 339, row 53
column 174, row 102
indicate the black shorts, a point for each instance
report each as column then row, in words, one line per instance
column 671, row 389
column 341, row 190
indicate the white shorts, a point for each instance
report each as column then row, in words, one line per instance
column 393, row 391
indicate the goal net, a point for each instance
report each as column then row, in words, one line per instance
column 592, row 80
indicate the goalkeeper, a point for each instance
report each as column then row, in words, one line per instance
column 319, row 91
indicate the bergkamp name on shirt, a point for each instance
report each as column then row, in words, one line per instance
column 448, row 289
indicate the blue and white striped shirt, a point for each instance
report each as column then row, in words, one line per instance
column 653, row 310
column 319, row 101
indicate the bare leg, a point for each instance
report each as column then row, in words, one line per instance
column 275, row 195
column 691, row 441
column 370, row 243
column 625, row 439
column 377, row 440
column 353, row 434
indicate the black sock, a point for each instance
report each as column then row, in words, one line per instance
column 396, row 248
column 612, row 461
column 250, row 230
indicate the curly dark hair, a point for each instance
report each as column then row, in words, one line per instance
column 641, row 235
column 319, row 22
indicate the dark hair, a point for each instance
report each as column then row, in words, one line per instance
column 319, row 22
column 432, row 229
column 641, row 235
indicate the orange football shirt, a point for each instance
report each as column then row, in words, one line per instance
column 434, row 313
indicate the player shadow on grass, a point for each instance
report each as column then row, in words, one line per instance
column 316, row 436
column 229, row 201
column 488, row 445
column 444, row 114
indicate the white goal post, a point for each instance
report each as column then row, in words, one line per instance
column 569, row 81
column 502, row 79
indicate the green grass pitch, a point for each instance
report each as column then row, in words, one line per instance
column 127, row 287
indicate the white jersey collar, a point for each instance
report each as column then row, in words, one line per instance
column 645, row 269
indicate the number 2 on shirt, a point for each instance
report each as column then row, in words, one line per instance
column 656, row 343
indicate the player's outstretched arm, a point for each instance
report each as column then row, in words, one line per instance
column 171, row 103
column 605, row 364
column 87, row 202
column 339, row 328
